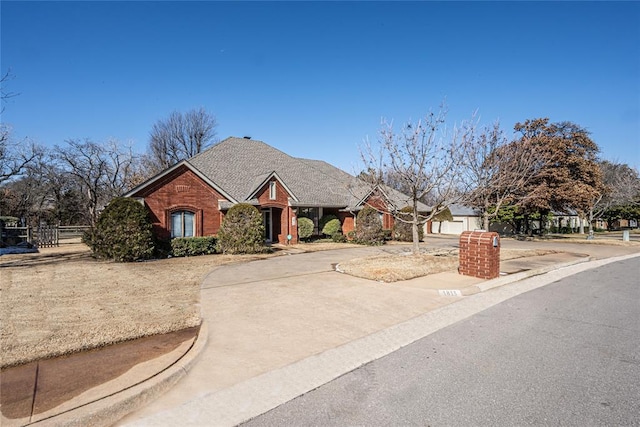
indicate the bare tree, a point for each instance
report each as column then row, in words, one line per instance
column 178, row 137
column 4, row 93
column 621, row 187
column 103, row 171
column 424, row 161
column 496, row 171
column 15, row 156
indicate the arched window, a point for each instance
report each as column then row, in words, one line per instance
column 183, row 224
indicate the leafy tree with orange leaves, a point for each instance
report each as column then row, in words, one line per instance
column 569, row 179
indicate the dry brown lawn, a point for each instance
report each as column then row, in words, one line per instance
column 396, row 267
column 61, row 300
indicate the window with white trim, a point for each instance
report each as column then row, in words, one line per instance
column 272, row 190
column 183, row 224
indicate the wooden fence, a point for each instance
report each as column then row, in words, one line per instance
column 44, row 236
column 47, row 236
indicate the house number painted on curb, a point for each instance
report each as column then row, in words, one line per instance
column 450, row 293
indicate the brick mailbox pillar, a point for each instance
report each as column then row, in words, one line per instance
column 480, row 254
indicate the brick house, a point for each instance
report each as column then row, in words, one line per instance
column 192, row 197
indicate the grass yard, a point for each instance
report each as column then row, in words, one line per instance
column 396, row 267
column 61, row 300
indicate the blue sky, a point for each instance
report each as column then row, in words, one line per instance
column 314, row 79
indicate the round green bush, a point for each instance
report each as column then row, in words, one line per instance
column 332, row 227
column 369, row 227
column 324, row 220
column 305, row 228
column 242, row 231
column 402, row 231
column 123, row 232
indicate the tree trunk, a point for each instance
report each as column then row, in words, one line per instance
column 414, row 229
column 485, row 221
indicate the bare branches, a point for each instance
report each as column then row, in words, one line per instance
column 15, row 156
column 496, row 171
column 420, row 160
column 4, row 93
column 621, row 186
column 179, row 137
column 103, row 171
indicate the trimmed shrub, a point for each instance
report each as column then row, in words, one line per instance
column 369, row 227
column 305, row 228
column 193, row 246
column 123, row 232
column 339, row 238
column 402, row 231
column 332, row 227
column 242, row 231
column 323, row 221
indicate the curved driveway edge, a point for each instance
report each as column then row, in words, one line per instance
column 248, row 399
column 108, row 410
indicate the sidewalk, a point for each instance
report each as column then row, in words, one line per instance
column 94, row 387
column 101, row 386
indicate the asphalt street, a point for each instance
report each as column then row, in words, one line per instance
column 565, row 354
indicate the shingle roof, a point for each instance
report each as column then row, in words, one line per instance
column 237, row 166
column 457, row 209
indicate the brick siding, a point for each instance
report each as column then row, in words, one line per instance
column 182, row 190
column 281, row 212
column 478, row 257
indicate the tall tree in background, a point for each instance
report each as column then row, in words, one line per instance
column 423, row 160
column 15, row 156
column 621, row 187
column 102, row 170
column 571, row 179
column 496, row 171
column 179, row 137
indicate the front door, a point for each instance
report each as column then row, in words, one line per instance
column 268, row 229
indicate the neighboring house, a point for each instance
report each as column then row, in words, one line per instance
column 560, row 222
column 620, row 224
column 566, row 221
column 464, row 219
column 192, row 197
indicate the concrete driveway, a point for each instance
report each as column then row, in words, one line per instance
column 268, row 314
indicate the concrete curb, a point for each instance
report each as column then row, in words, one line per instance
column 253, row 397
column 108, row 410
column 512, row 278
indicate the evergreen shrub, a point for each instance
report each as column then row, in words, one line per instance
column 122, row 233
column 193, row 246
column 369, row 227
column 242, row 231
column 305, row 228
column 339, row 238
column 332, row 227
column 402, row 231
column 324, row 220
